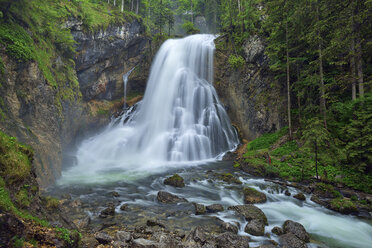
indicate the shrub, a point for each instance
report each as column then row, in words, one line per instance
column 236, row 61
column 190, row 28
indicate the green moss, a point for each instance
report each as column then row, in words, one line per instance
column 103, row 112
column 251, row 191
column 17, row 242
column 175, row 180
column 50, row 203
column 236, row 61
column 229, row 178
column 343, row 205
column 2, row 67
column 22, row 198
column 15, row 159
column 70, row 237
column 18, row 43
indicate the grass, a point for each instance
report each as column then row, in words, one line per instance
column 15, row 159
column 291, row 162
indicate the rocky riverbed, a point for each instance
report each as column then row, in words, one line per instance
column 208, row 205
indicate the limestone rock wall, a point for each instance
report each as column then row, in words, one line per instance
column 251, row 95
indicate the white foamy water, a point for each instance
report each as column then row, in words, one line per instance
column 179, row 122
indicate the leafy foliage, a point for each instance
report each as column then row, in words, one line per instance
column 236, row 61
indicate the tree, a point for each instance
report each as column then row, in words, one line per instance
column 315, row 137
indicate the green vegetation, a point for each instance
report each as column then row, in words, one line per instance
column 35, row 31
column 190, row 28
column 297, row 163
column 50, row 203
column 15, row 159
column 236, row 61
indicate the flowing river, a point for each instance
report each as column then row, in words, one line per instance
column 180, row 126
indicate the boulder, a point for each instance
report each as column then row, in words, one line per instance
column 250, row 212
column 175, row 181
column 118, row 244
column 300, row 196
column 214, row 208
column 228, row 178
column 107, row 211
column 155, row 223
column 82, row 223
column 199, row 208
column 277, row 230
column 165, row 197
column 123, row 236
column 289, row 240
column 255, row 227
column 297, row 229
column 287, row 193
column 103, row 238
column 197, row 235
column 229, row 239
column 115, row 194
column 123, row 207
column 144, row 243
column 252, row 196
column 228, row 227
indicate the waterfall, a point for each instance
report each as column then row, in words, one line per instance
column 125, row 81
column 179, row 121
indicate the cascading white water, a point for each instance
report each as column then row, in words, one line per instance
column 180, row 119
column 125, row 81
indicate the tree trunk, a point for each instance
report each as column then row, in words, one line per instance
column 114, row 2
column 131, row 8
column 316, row 159
column 192, row 14
column 137, row 7
column 298, row 96
column 359, row 66
column 122, row 5
column 352, row 67
column 321, row 74
column 288, row 84
column 358, row 48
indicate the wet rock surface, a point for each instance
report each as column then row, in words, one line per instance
column 297, row 229
column 175, row 180
column 166, row 197
column 250, row 212
column 252, row 196
column 214, row 208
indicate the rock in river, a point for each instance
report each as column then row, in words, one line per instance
column 250, row 212
column 214, row 208
column 255, row 227
column 165, row 197
column 297, row 229
column 252, row 196
column 175, row 181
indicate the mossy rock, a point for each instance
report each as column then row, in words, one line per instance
column 175, row 181
column 252, row 196
column 326, row 191
column 228, row 177
column 343, row 205
column 253, row 167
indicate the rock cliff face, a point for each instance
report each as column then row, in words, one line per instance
column 250, row 93
column 103, row 58
column 38, row 115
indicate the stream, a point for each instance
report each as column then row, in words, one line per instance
column 326, row 228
